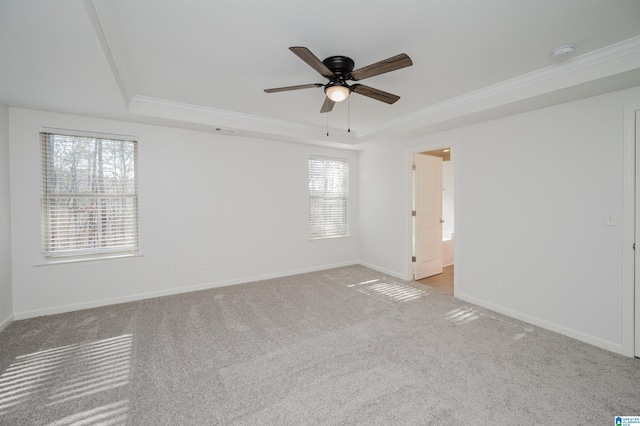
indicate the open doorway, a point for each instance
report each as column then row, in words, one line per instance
column 433, row 234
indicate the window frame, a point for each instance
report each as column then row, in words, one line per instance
column 129, row 196
column 336, row 229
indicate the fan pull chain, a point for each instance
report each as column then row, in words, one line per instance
column 327, row 114
column 349, row 114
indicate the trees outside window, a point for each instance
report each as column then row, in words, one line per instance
column 89, row 196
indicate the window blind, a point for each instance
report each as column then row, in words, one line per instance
column 328, row 194
column 89, row 196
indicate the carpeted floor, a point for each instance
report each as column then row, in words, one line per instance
column 342, row 346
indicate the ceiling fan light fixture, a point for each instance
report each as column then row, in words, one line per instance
column 337, row 93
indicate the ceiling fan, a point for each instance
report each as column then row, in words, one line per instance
column 339, row 69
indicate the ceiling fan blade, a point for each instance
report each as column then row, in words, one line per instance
column 311, row 59
column 390, row 64
column 327, row 106
column 301, row 86
column 376, row 94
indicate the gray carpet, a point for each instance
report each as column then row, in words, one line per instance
column 342, row 346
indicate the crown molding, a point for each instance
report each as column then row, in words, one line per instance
column 238, row 123
column 599, row 64
column 606, row 62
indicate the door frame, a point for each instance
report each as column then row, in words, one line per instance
column 410, row 195
column 630, row 282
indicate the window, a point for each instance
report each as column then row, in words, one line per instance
column 89, row 195
column 328, row 193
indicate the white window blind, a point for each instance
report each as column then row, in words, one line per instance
column 328, row 195
column 89, row 196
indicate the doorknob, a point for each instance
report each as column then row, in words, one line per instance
column 441, row 220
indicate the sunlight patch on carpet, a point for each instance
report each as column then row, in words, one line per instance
column 462, row 315
column 69, row 373
column 389, row 289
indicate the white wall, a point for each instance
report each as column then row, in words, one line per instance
column 6, row 297
column 531, row 191
column 238, row 204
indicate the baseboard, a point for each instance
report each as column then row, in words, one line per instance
column 383, row 270
column 592, row 340
column 5, row 322
column 168, row 292
column 578, row 335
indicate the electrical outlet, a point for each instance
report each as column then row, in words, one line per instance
column 610, row 219
column 169, row 267
column 497, row 282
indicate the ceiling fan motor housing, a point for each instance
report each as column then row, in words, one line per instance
column 339, row 65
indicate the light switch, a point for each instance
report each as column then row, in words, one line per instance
column 610, row 219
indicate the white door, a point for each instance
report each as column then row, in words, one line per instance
column 428, row 222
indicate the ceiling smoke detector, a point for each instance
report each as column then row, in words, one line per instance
column 561, row 53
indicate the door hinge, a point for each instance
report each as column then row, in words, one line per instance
column 413, row 167
column 634, row 246
column 413, row 258
column 413, row 212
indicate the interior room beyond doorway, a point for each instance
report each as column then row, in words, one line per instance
column 443, row 281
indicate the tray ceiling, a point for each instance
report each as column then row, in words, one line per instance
column 204, row 64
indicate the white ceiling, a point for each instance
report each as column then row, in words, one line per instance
column 204, row 64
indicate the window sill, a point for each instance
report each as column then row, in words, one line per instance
column 89, row 260
column 329, row 238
